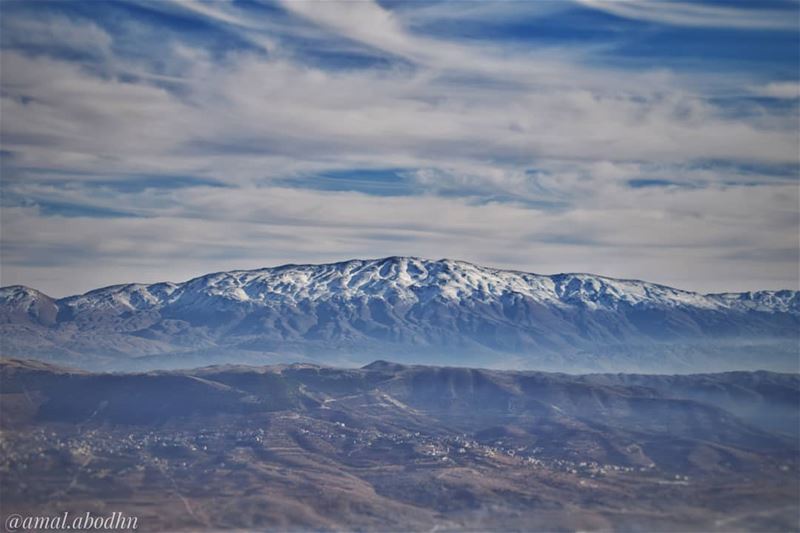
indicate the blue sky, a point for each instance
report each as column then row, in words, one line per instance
column 149, row 141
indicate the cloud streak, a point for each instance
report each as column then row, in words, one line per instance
column 698, row 15
column 518, row 156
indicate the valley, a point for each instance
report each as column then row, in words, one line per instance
column 395, row 447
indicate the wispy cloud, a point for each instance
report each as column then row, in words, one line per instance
column 326, row 131
column 789, row 90
column 700, row 15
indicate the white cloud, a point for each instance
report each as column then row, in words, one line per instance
column 788, row 90
column 695, row 14
column 556, row 140
column 721, row 238
column 257, row 118
column 56, row 31
column 363, row 21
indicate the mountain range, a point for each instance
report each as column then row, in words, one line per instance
column 410, row 310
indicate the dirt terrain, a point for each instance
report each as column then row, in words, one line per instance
column 391, row 447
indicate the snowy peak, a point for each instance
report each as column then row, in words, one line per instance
column 21, row 298
column 400, row 280
column 20, row 304
column 133, row 296
column 784, row 301
column 17, row 293
column 412, row 280
column 411, row 310
column 601, row 292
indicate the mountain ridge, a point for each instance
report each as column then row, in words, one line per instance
column 404, row 308
column 792, row 295
column 409, row 258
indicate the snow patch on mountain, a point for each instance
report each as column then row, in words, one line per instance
column 413, row 280
column 413, row 310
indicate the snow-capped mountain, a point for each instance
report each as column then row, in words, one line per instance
column 409, row 309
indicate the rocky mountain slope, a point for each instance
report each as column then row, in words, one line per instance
column 406, row 309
